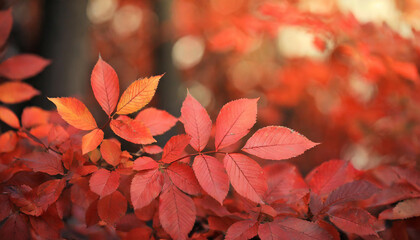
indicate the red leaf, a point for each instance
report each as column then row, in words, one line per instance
column 92, row 140
column 104, row 182
column 105, row 86
column 145, row 187
column 152, row 149
column 137, row 95
column 183, row 177
column 284, row 183
column 277, row 143
column 9, row 117
column 16, row 92
column 91, row 216
column 74, row 112
column 8, row 141
column 175, row 147
column 292, row 228
column 139, row 233
column 196, row 122
column 157, row 121
column 48, row 192
column 112, row 207
column 176, row 212
column 131, row 130
column 6, row 21
column 212, row 176
column 34, row 116
column 393, row 193
column 353, row 191
column 48, row 163
column 246, row 176
column 405, row 209
column 242, row 230
column 16, row 227
column 5, row 207
column 329, row 175
column 235, row 120
column 354, row 220
column 145, row 163
column 23, row 66
column 47, row 226
column 111, row 152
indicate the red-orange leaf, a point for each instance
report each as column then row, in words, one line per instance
column 131, row 130
column 16, row 92
column 277, row 143
column 8, row 141
column 92, row 140
column 157, row 121
column 23, row 66
column 145, row 163
column 112, row 207
column 74, row 112
column 242, row 230
column 196, row 122
column 175, row 147
column 246, row 176
column 105, row 86
column 104, row 182
column 45, row 162
column 235, row 120
column 212, row 176
column 34, row 116
column 137, row 95
column 152, row 149
column 176, row 212
column 5, row 25
column 111, row 152
column 183, row 177
column 9, row 117
column 145, row 187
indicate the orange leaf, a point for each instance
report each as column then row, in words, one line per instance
column 131, row 130
column 9, row 117
column 92, row 140
column 75, row 113
column 137, row 95
column 105, row 86
column 111, row 152
column 16, row 92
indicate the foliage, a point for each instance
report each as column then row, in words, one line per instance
column 61, row 178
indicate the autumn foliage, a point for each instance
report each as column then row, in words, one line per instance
column 218, row 179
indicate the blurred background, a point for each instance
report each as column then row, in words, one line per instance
column 343, row 73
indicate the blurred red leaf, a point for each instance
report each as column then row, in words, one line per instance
column 23, row 66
